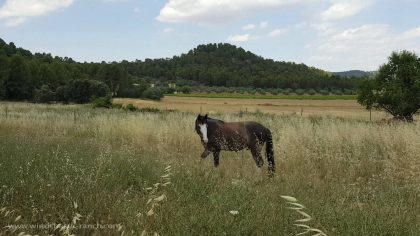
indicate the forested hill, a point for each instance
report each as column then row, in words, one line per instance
column 355, row 73
column 227, row 65
column 28, row 76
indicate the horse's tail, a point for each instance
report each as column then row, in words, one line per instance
column 270, row 152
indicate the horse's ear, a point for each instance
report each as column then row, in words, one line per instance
column 199, row 117
column 205, row 117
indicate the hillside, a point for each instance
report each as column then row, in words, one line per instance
column 355, row 73
column 227, row 65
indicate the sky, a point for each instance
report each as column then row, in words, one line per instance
column 332, row 35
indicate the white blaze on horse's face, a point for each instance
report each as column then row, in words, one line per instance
column 203, row 130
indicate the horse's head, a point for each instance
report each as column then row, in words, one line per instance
column 201, row 127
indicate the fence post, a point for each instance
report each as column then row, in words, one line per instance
column 370, row 115
column 6, row 111
column 301, row 112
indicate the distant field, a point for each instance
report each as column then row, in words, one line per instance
column 322, row 108
column 247, row 96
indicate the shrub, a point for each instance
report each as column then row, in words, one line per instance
column 131, row 107
column 300, row 91
column 105, row 102
column 324, row 92
column 287, row 91
column 117, row 106
column 185, row 89
column 153, row 93
column 311, row 91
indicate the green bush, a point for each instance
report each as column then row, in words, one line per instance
column 131, row 107
column 300, row 91
column 185, row 89
column 311, row 91
column 287, row 91
column 324, row 92
column 117, row 106
column 153, row 93
column 105, row 102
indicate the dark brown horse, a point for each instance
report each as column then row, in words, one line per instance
column 217, row 135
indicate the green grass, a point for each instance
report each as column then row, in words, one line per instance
column 246, row 96
column 355, row 178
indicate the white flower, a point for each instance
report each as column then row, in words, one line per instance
column 234, row 212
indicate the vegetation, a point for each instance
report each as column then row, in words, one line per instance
column 396, row 87
column 355, row 73
column 209, row 68
column 43, row 78
column 65, row 164
column 227, row 65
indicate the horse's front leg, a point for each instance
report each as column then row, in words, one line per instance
column 216, row 158
column 205, row 154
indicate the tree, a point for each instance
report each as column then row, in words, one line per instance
column 18, row 83
column 81, row 91
column 396, row 87
column 114, row 76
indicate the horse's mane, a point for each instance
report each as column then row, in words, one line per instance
column 215, row 120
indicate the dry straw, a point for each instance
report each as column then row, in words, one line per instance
column 305, row 218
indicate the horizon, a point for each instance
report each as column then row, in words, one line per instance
column 332, row 35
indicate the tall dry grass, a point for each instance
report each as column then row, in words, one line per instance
column 356, row 177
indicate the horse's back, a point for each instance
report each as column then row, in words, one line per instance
column 248, row 129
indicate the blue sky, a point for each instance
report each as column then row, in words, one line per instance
column 333, row 35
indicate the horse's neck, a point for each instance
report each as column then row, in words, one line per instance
column 213, row 126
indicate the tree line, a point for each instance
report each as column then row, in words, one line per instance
column 42, row 77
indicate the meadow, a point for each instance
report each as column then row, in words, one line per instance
column 141, row 173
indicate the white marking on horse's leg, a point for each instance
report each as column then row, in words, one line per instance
column 203, row 129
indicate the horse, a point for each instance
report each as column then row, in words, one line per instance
column 217, row 135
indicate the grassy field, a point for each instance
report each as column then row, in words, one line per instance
column 248, row 96
column 332, row 108
column 141, row 172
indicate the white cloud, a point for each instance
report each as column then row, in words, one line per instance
column 262, row 25
column 277, row 32
column 240, row 38
column 168, row 30
column 249, row 27
column 136, row 10
column 365, row 47
column 341, row 9
column 218, row 11
column 17, row 11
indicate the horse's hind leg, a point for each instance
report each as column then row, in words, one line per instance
column 256, row 154
column 216, row 156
